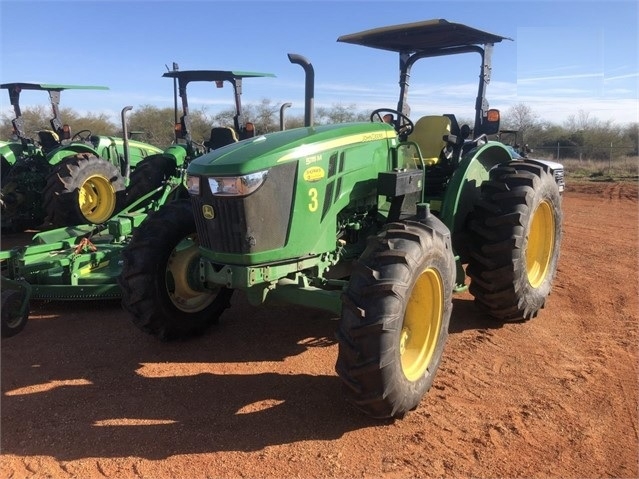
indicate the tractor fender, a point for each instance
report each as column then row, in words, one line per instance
column 70, row 150
column 10, row 151
column 463, row 189
column 178, row 153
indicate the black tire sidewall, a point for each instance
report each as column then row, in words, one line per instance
column 534, row 298
column 369, row 360
column 498, row 240
column 404, row 391
column 143, row 277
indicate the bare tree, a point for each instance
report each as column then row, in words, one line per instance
column 522, row 118
column 579, row 122
column 339, row 113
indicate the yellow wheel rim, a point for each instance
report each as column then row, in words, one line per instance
column 541, row 244
column 184, row 264
column 97, row 199
column 422, row 323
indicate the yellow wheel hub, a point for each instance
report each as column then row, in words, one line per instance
column 541, row 244
column 181, row 266
column 422, row 323
column 97, row 199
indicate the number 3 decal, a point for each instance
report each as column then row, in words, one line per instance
column 312, row 206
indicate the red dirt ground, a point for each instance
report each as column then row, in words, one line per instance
column 87, row 395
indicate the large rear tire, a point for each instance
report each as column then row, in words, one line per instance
column 515, row 241
column 83, row 189
column 395, row 318
column 160, row 277
column 148, row 175
column 22, row 188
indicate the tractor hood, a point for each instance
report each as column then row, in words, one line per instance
column 265, row 151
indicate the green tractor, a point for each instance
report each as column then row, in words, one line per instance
column 154, row 170
column 377, row 223
column 82, row 262
column 61, row 178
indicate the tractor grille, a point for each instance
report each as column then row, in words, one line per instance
column 250, row 224
column 559, row 179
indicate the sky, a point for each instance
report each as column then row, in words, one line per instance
column 566, row 58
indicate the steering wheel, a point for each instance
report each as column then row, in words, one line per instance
column 403, row 125
column 83, row 135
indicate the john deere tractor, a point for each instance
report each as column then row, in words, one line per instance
column 82, row 262
column 60, row 178
column 378, row 223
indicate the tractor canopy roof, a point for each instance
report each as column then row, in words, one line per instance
column 212, row 75
column 436, row 35
column 50, row 86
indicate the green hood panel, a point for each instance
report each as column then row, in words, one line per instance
column 264, row 151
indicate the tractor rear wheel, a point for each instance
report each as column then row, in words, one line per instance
column 395, row 318
column 515, row 241
column 12, row 321
column 160, row 277
column 22, row 193
column 83, row 189
column 148, row 175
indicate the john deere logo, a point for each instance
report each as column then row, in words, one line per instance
column 314, row 173
column 208, row 212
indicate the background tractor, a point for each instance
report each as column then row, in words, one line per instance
column 60, row 178
column 375, row 222
column 82, row 262
column 153, row 171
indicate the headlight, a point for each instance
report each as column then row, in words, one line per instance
column 193, row 184
column 237, row 185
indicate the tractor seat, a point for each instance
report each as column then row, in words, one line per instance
column 429, row 133
column 48, row 139
column 220, row 136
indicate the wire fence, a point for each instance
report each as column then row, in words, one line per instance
column 583, row 153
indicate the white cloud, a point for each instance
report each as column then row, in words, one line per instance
column 576, row 76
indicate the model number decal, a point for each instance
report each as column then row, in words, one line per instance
column 313, row 159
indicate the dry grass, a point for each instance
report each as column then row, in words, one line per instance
column 618, row 169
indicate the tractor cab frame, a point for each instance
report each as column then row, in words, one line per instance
column 62, row 131
column 220, row 136
column 434, row 38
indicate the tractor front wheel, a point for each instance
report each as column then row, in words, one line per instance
column 395, row 318
column 515, row 241
column 160, row 277
column 82, row 189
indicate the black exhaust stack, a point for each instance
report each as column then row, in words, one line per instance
column 282, row 120
column 125, row 140
column 309, row 91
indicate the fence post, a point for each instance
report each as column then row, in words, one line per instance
column 610, row 159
